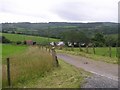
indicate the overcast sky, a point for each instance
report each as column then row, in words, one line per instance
column 59, row 10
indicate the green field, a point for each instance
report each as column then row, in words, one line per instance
column 18, row 37
column 8, row 50
column 102, row 53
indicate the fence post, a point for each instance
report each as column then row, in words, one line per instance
column 86, row 49
column 109, row 51
column 93, row 48
column 72, row 48
column 8, row 72
column 46, row 48
column 56, row 63
column 116, row 51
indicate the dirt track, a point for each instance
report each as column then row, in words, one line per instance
column 104, row 75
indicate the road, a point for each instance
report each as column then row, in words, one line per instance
column 105, row 75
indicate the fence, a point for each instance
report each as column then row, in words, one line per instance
column 51, row 51
column 102, row 51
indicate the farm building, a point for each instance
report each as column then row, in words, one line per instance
column 29, row 42
column 60, row 44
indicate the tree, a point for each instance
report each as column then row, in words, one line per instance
column 4, row 40
column 111, row 41
column 75, row 36
column 98, row 40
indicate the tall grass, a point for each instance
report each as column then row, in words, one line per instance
column 32, row 64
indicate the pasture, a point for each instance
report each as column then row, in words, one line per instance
column 38, row 39
column 101, row 53
column 8, row 49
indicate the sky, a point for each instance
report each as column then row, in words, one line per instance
column 59, row 11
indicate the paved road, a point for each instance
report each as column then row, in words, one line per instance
column 104, row 75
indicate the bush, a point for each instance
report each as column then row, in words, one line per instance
column 18, row 42
column 4, row 40
column 24, row 42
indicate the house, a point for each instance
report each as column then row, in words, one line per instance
column 60, row 44
column 29, row 42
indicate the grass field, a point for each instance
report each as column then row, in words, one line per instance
column 102, row 53
column 27, row 66
column 18, row 37
column 8, row 49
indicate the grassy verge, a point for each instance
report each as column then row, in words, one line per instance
column 92, row 56
column 27, row 66
column 65, row 76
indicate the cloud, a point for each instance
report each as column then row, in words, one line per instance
column 59, row 10
column 91, row 11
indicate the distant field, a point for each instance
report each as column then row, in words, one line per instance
column 8, row 49
column 18, row 37
column 102, row 53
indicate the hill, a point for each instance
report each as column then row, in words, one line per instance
column 54, row 29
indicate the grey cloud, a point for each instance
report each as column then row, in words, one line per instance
column 80, row 11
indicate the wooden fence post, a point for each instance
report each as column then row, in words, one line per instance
column 72, row 48
column 94, row 49
column 116, row 51
column 55, row 60
column 86, row 49
column 46, row 48
column 8, row 72
column 109, row 51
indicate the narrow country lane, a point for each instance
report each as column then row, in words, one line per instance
column 105, row 75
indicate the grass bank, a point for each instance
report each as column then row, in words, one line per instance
column 65, row 76
column 27, row 66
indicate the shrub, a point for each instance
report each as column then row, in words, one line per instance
column 18, row 42
column 3, row 39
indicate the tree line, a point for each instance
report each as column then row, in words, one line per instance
column 98, row 39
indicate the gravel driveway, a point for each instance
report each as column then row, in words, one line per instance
column 105, row 75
